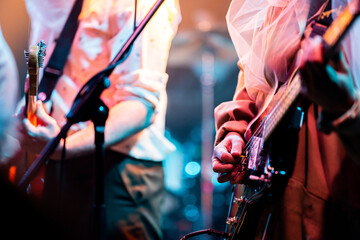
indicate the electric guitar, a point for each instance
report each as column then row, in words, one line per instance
column 35, row 59
column 266, row 159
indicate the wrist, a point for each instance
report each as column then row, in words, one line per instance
column 229, row 134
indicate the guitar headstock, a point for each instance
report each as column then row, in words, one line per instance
column 35, row 60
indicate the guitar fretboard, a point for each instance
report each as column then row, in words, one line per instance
column 281, row 107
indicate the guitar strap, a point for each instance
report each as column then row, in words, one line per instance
column 54, row 68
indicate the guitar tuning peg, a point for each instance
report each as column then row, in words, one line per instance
column 42, row 47
column 42, row 44
column 27, row 56
column 42, row 52
column 41, row 61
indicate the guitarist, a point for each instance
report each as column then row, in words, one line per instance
column 134, row 132
column 322, row 197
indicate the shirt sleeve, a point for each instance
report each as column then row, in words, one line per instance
column 142, row 75
column 8, row 96
column 235, row 115
column 8, row 83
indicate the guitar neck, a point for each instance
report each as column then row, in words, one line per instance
column 31, row 109
column 33, row 82
column 332, row 38
column 283, row 104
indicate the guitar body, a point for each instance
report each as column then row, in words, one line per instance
column 252, row 202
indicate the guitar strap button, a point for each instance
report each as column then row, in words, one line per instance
column 42, row 96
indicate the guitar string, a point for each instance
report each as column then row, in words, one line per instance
column 277, row 110
column 247, row 146
column 270, row 120
column 257, row 133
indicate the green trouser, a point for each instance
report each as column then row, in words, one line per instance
column 134, row 191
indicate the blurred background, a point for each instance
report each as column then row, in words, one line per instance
column 202, row 73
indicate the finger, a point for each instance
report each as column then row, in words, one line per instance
column 237, row 147
column 29, row 129
column 221, row 167
column 225, row 177
column 240, row 177
column 221, row 153
column 42, row 115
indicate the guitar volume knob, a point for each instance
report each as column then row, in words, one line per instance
column 239, row 200
column 232, row 221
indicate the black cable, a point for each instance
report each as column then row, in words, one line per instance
column 208, row 232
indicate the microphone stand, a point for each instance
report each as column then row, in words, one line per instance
column 88, row 106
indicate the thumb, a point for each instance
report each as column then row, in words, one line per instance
column 42, row 115
column 237, row 146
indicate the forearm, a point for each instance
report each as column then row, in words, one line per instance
column 234, row 116
column 125, row 119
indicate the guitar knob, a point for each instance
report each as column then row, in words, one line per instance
column 232, row 221
column 239, row 200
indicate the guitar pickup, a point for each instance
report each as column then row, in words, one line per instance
column 255, row 156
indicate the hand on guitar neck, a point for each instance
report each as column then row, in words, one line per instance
column 334, row 76
column 35, row 137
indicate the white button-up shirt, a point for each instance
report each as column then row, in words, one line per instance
column 104, row 28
